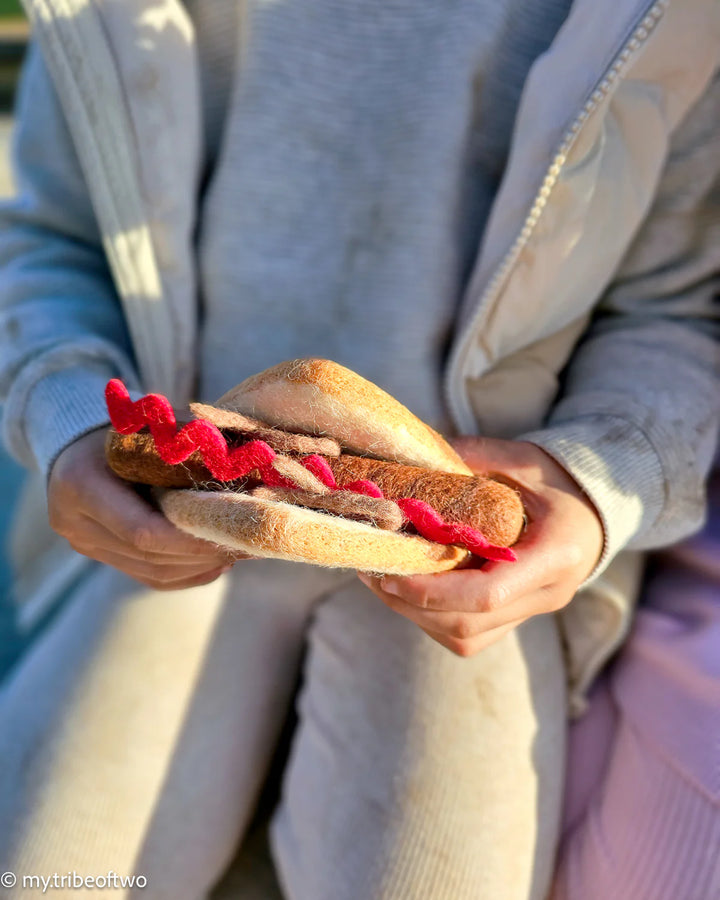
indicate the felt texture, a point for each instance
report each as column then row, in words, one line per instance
column 486, row 505
column 294, row 471
column 319, row 396
column 257, row 459
column 282, row 441
column 279, row 531
column 134, row 457
column 379, row 512
column 431, row 526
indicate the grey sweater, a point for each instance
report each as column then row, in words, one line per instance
column 349, row 175
column 607, row 203
column 63, row 333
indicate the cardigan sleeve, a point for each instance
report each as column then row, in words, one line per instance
column 62, row 330
column 637, row 419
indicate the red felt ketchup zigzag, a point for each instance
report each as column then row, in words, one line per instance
column 155, row 412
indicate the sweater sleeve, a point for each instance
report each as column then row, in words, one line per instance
column 62, row 331
column 637, row 420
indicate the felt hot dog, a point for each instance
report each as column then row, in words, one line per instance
column 309, row 461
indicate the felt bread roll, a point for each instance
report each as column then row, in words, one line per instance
column 266, row 528
column 380, row 513
column 321, row 397
column 490, row 506
column 331, row 408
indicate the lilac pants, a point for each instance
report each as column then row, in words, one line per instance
column 642, row 813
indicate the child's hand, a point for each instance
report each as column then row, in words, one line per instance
column 104, row 518
column 469, row 608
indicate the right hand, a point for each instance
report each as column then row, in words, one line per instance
column 104, row 518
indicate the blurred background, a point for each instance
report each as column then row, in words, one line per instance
column 13, row 40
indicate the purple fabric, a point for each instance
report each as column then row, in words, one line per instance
column 642, row 814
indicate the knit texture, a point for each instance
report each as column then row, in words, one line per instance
column 361, row 151
column 69, row 405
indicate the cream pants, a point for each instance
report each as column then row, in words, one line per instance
column 136, row 735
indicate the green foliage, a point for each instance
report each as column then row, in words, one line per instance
column 10, row 8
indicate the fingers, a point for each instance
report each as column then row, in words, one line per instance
column 124, row 523
column 134, row 522
column 459, row 627
column 468, row 608
column 96, row 535
column 161, row 571
column 105, row 519
column 99, row 537
column 492, row 589
column 161, row 577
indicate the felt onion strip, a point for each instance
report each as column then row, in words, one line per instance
column 174, row 446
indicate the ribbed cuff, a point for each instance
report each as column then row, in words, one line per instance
column 62, row 407
column 617, row 467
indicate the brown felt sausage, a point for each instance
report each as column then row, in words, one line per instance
column 493, row 508
column 134, row 458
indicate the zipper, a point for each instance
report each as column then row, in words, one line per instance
column 457, row 400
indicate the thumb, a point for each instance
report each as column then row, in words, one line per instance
column 486, row 456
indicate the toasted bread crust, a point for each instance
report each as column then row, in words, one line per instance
column 265, row 528
column 318, row 396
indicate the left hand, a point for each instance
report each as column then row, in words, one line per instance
column 469, row 608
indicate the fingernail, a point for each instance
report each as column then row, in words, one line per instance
column 390, row 587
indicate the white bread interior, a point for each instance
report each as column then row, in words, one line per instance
column 280, row 531
column 320, row 397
